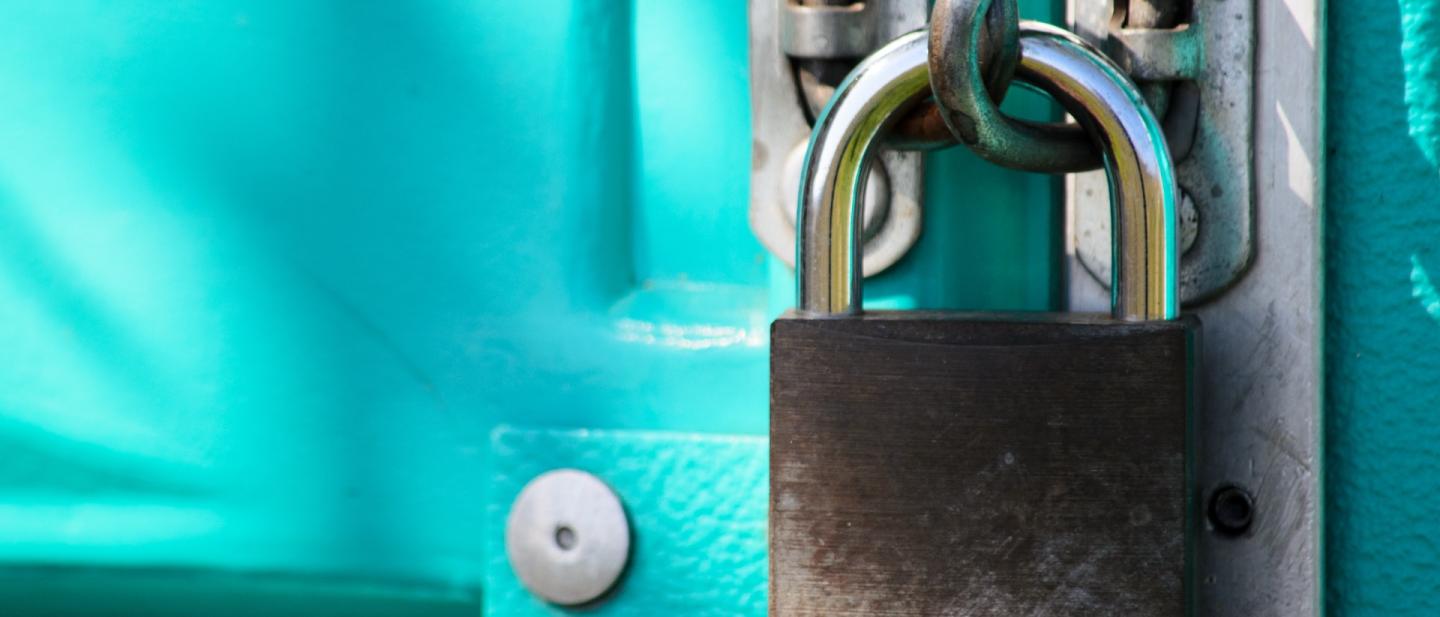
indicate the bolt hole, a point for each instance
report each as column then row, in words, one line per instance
column 565, row 538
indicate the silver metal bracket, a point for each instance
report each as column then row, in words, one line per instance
column 1210, row 59
column 783, row 101
column 1257, row 432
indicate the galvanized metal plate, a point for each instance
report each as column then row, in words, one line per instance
column 1217, row 174
column 1260, row 421
column 780, row 123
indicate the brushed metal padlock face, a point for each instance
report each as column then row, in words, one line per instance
column 950, row 464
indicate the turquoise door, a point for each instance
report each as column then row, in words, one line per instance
column 295, row 297
column 1382, row 308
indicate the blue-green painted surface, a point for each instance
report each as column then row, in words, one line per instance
column 1383, row 314
column 697, row 509
column 272, row 273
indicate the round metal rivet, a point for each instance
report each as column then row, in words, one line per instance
column 567, row 537
column 1231, row 510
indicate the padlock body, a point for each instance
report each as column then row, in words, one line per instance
column 979, row 464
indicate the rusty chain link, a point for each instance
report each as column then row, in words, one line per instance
column 972, row 113
column 996, row 56
column 964, row 74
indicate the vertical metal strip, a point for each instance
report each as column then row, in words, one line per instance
column 1259, row 424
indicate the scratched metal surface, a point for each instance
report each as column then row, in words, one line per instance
column 1260, row 423
column 1383, row 309
column 959, row 464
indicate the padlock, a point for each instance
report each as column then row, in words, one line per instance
column 939, row 463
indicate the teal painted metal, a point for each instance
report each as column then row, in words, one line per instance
column 1383, row 314
column 271, row 273
column 697, row 507
column 58, row 591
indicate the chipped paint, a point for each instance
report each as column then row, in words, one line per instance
column 1424, row 288
column 1420, row 49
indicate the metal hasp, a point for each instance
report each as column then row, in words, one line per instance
column 1259, row 426
column 1207, row 61
column 798, row 51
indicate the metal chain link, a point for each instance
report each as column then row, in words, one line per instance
column 971, row 112
column 962, row 48
column 997, row 54
column 972, row 62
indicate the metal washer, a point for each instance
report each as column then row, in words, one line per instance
column 567, row 537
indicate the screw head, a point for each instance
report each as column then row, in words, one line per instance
column 1232, row 509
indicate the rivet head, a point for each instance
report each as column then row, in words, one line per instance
column 567, row 537
column 1232, row 509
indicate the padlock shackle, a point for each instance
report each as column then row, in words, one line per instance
column 828, row 224
column 1086, row 83
column 1144, row 197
